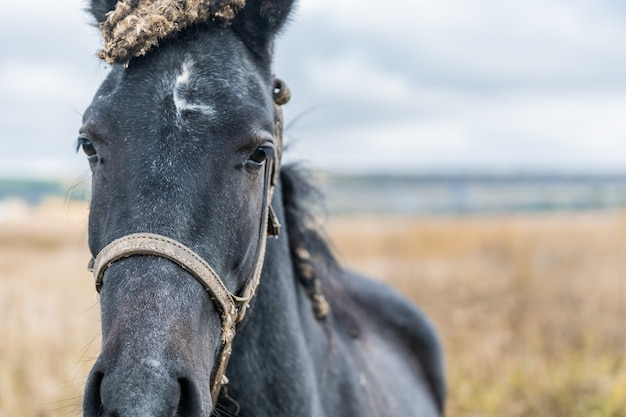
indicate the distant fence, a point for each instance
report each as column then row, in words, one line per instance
column 462, row 194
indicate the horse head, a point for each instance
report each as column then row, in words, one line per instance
column 184, row 144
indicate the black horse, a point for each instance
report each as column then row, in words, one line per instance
column 184, row 142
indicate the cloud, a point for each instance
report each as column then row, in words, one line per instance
column 48, row 75
column 528, row 85
column 484, row 42
column 381, row 148
column 401, row 84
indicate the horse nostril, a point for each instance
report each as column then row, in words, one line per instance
column 189, row 402
column 113, row 395
column 92, row 402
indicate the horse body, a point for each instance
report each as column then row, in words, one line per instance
column 180, row 143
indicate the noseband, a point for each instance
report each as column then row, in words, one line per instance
column 232, row 307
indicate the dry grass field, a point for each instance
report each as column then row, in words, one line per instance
column 531, row 309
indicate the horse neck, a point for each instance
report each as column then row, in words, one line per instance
column 281, row 344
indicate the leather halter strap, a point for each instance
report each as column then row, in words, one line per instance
column 232, row 307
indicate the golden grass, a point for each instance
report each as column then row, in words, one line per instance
column 48, row 311
column 531, row 309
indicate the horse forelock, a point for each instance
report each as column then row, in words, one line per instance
column 134, row 27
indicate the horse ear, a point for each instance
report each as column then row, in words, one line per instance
column 260, row 20
column 99, row 9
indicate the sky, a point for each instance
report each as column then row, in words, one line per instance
column 412, row 86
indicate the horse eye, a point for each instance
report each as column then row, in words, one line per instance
column 258, row 157
column 87, row 147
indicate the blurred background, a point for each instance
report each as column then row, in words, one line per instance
column 491, row 134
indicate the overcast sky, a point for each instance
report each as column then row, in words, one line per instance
column 417, row 86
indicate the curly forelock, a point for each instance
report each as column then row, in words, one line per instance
column 136, row 26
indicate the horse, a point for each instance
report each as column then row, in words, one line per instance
column 218, row 293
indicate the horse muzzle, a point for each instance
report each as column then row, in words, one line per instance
column 159, row 344
column 151, row 393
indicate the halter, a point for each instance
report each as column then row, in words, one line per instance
column 232, row 308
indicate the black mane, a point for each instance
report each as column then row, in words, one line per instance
column 300, row 198
column 302, row 201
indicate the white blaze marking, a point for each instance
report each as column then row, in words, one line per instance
column 183, row 82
